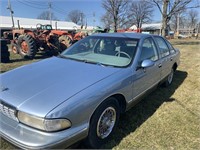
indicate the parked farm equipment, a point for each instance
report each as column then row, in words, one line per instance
column 27, row 42
column 5, row 54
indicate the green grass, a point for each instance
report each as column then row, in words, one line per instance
column 17, row 61
column 168, row 118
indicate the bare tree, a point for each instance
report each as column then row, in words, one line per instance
column 116, row 9
column 76, row 16
column 179, row 19
column 45, row 15
column 141, row 12
column 106, row 20
column 170, row 7
column 192, row 18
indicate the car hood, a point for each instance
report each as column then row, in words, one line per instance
column 39, row 87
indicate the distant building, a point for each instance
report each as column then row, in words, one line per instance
column 151, row 28
column 27, row 23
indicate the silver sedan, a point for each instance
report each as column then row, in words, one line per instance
column 81, row 93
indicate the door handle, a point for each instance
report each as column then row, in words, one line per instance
column 171, row 58
column 160, row 65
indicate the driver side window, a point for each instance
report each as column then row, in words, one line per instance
column 148, row 50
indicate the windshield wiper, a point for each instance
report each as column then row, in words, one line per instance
column 93, row 62
column 61, row 56
column 66, row 57
column 82, row 60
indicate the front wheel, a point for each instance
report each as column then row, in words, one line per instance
column 103, row 123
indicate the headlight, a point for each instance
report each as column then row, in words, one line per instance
column 43, row 124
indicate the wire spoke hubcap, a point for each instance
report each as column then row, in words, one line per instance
column 106, row 122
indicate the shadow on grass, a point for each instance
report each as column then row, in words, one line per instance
column 136, row 116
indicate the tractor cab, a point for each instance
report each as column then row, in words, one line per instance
column 43, row 27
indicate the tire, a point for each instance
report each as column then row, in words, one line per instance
column 65, row 42
column 4, row 48
column 5, row 57
column 103, row 123
column 5, row 54
column 53, row 46
column 15, row 48
column 169, row 78
column 27, row 46
column 3, row 42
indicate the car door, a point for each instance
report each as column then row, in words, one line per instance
column 146, row 78
column 166, row 58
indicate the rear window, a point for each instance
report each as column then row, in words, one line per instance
column 171, row 48
column 164, row 50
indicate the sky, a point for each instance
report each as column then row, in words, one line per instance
column 33, row 8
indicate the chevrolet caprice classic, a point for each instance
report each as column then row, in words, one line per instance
column 81, row 93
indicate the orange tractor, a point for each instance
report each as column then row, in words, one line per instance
column 28, row 42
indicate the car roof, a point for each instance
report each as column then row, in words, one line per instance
column 124, row 35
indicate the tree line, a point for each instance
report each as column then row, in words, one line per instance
column 126, row 13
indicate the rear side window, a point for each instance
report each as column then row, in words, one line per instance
column 148, row 50
column 171, row 48
column 164, row 50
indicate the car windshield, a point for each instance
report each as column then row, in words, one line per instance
column 108, row 51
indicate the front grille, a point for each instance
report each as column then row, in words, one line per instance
column 8, row 111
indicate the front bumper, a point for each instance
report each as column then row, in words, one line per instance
column 28, row 138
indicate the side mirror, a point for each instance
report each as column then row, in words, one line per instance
column 147, row 63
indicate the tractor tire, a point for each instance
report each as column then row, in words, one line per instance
column 53, row 46
column 15, row 48
column 4, row 48
column 5, row 55
column 65, row 42
column 27, row 46
column 3, row 42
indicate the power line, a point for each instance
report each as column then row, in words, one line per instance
column 27, row 4
column 35, row 3
column 48, row 6
column 59, row 11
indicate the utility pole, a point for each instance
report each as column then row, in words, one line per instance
column 178, row 20
column 50, row 17
column 94, row 20
column 81, row 18
column 11, row 13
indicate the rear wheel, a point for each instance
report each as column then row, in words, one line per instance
column 169, row 78
column 103, row 123
column 27, row 46
column 5, row 55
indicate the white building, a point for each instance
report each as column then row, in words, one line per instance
column 27, row 23
column 152, row 28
